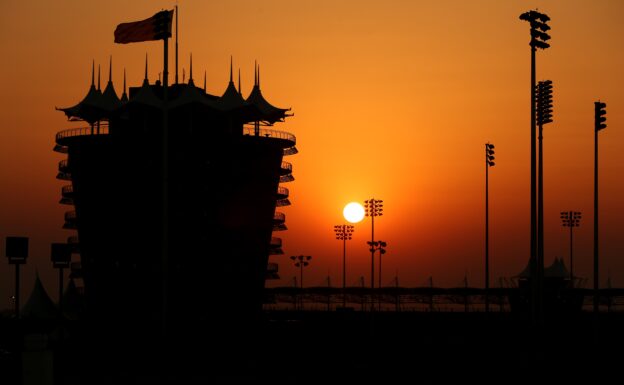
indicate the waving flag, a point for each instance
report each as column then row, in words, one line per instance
column 156, row 27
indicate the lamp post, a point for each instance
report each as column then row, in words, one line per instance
column 489, row 162
column 378, row 246
column 599, row 124
column 373, row 208
column 571, row 219
column 17, row 252
column 301, row 261
column 61, row 258
column 539, row 37
column 543, row 98
column 344, row 233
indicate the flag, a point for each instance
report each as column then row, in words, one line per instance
column 155, row 28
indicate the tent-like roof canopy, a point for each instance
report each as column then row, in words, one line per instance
column 98, row 106
column 39, row 304
column 268, row 112
column 556, row 270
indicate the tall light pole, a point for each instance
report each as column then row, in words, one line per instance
column 301, row 261
column 489, row 162
column 61, row 259
column 344, row 233
column 544, row 105
column 571, row 219
column 539, row 37
column 17, row 252
column 599, row 124
column 373, row 208
column 378, row 246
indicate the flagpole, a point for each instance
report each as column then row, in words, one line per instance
column 165, row 189
column 176, row 46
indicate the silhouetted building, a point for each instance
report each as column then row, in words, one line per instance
column 224, row 169
column 559, row 294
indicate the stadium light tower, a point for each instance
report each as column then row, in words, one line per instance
column 539, row 37
column 600, row 112
column 489, row 162
column 344, row 233
column 571, row 219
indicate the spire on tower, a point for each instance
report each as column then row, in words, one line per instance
column 191, row 72
column 124, row 95
column 93, row 74
column 145, row 81
column 231, row 69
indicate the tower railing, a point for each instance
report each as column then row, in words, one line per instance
column 82, row 131
column 279, row 217
column 67, row 191
column 282, row 192
column 276, row 242
column 62, row 166
column 267, row 133
column 286, row 168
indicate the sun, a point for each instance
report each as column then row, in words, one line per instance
column 353, row 212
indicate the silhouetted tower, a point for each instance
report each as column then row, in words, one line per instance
column 539, row 37
column 224, row 165
column 600, row 112
column 571, row 219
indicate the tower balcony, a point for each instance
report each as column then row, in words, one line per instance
column 67, row 195
column 285, row 139
column 286, row 173
column 278, row 221
column 60, row 149
column 282, row 193
column 276, row 246
column 272, row 271
column 70, row 220
column 64, row 137
column 290, row 151
column 63, row 169
column 68, row 191
column 282, row 203
column 74, row 244
column 286, row 168
column 279, row 218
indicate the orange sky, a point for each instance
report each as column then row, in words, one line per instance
column 392, row 100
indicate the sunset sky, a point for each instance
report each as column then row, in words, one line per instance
column 391, row 99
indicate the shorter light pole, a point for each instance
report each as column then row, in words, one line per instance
column 373, row 208
column 489, row 162
column 17, row 252
column 600, row 110
column 381, row 247
column 61, row 259
column 571, row 219
column 301, row 261
column 344, row 233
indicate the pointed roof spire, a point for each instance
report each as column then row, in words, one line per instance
column 110, row 69
column 191, row 72
column 239, row 83
column 231, row 69
column 255, row 73
column 98, row 77
column 124, row 95
column 93, row 74
column 258, row 76
column 145, row 78
column 204, row 80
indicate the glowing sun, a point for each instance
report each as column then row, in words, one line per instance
column 353, row 212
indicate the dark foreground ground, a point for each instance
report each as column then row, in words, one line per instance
column 339, row 347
